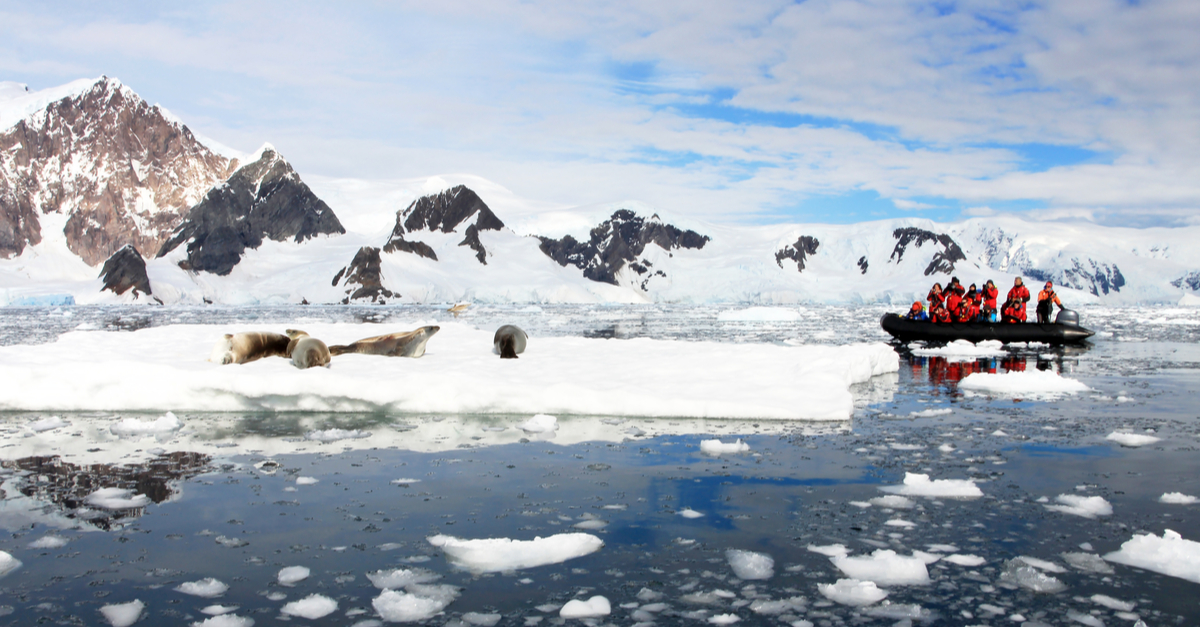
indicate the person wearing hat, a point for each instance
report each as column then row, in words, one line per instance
column 1046, row 301
column 1018, row 294
column 917, row 313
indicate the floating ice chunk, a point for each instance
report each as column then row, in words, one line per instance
column 717, row 447
column 916, row 484
column 333, row 435
column 1020, row 573
column 947, row 448
column 483, row 620
column 884, row 567
column 123, row 614
column 1086, row 506
column 8, row 563
column 48, row 542
column 292, row 575
column 591, row 524
column 723, row 619
column 1132, row 440
column 1170, row 555
column 892, row 501
column 688, row 512
column 116, row 498
column 205, row 588
column 832, row 550
column 712, row 597
column 232, row 543
column 852, row 592
column 927, row 413
column 749, row 565
column 759, row 314
column 1032, row 383
column 1112, row 604
column 218, row 609
column 901, row 611
column 969, row 561
column 541, row 423
column 591, row 608
column 999, row 433
column 48, row 424
column 1088, row 563
column 225, row 620
column 774, row 608
column 1177, row 498
column 504, row 554
column 307, row 480
column 1085, row 619
column 962, row 350
column 1042, row 565
column 405, row 481
column 135, row 428
column 401, row 578
column 406, row 607
column 900, row 522
column 942, row 548
column 311, row 607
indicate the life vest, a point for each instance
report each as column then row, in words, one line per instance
column 989, row 296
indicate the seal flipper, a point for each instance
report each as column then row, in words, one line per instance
column 340, row 349
column 507, row 350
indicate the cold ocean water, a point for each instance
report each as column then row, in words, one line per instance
column 1028, row 550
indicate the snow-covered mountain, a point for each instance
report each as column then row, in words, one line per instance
column 258, row 234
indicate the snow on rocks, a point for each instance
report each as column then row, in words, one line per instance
column 207, row 588
column 292, row 575
column 716, row 448
column 1170, row 555
column 8, row 563
column 1178, row 498
column 852, row 592
column 505, row 554
column 916, row 484
column 1132, row 440
column 312, row 607
column 116, row 498
column 1032, row 383
column 1085, row 506
column 884, row 567
column 592, row 608
column 123, row 614
column 749, row 565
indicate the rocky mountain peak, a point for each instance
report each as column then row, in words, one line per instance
column 943, row 260
column 118, row 167
column 443, row 212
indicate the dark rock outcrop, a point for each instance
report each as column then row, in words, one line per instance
column 262, row 200
column 617, row 242
column 1092, row 276
column 943, row 261
column 443, row 212
column 126, row 270
column 363, row 278
column 798, row 252
column 862, row 264
column 1190, row 280
column 119, row 170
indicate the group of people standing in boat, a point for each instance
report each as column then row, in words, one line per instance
column 958, row 304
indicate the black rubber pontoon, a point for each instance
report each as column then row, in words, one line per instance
column 1058, row 332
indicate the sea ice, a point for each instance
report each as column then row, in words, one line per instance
column 916, row 484
column 123, row 614
column 292, row 574
column 1085, row 506
column 927, row 413
column 48, row 424
column 1031, row 383
column 759, row 314
column 217, row 609
column 749, row 565
column 206, row 588
column 717, row 447
column 852, row 592
column 333, row 435
column 312, row 607
column 969, row 561
column 1178, row 498
column 401, row 577
column 884, row 567
column 116, row 498
column 8, row 563
column 832, row 550
column 505, row 554
column 723, row 619
column 1113, row 604
column 541, row 423
column 225, row 620
column 962, row 350
column 892, row 501
column 1042, row 565
column 1170, row 555
column 48, row 542
column 421, row 603
column 136, row 428
column 307, row 480
column 1088, row 563
column 592, row 608
column 688, row 512
column 480, row 619
column 1019, row 572
column 1132, row 440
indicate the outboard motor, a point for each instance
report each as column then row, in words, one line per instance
column 1069, row 317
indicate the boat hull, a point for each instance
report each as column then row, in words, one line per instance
column 909, row 330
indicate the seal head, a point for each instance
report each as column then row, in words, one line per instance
column 509, row 341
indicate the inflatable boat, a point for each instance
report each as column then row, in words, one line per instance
column 1064, row 330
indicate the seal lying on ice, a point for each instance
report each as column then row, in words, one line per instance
column 509, row 341
column 406, row 344
column 306, row 351
column 239, row 348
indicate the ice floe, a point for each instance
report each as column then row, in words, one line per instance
column 491, row 555
column 116, row 498
column 852, row 592
column 917, row 484
column 123, row 614
column 884, row 567
column 225, row 620
column 1024, row 573
column 135, row 428
column 48, row 542
column 291, row 575
column 1132, row 440
column 8, row 563
column 1170, row 555
column 1085, row 506
column 1032, row 384
column 48, row 424
column 205, row 588
column 962, row 350
column 592, row 608
column 1178, row 498
column 312, row 607
column 716, row 447
column 750, row 565
column 541, row 423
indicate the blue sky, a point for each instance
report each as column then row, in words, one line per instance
column 742, row 112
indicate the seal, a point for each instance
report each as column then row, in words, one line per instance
column 509, row 341
column 458, row 308
column 239, row 348
column 406, row 344
column 306, row 351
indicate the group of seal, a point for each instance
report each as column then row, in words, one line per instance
column 306, row 351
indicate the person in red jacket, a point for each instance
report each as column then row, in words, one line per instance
column 938, row 313
column 936, row 297
column 1046, row 301
column 989, row 299
column 1020, row 294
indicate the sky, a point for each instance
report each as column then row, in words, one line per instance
column 746, row 112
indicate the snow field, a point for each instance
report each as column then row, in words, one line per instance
column 164, row 368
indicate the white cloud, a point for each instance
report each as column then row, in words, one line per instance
column 978, row 212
